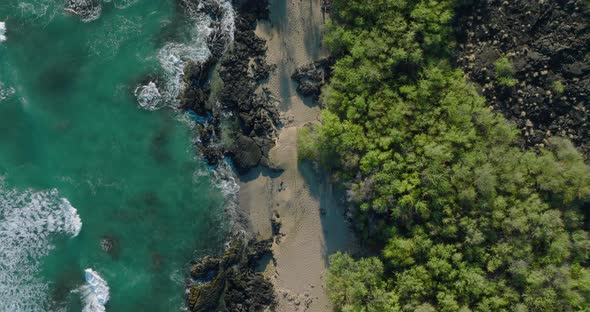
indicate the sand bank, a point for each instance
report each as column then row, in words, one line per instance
column 310, row 212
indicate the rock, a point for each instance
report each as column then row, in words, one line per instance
column 230, row 282
column 249, row 116
column 246, row 154
column 111, row 246
column 312, row 77
column 261, row 69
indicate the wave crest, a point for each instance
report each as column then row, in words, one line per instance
column 2, row 31
column 95, row 293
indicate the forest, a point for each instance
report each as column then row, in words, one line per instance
column 460, row 218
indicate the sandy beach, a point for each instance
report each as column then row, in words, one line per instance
column 311, row 214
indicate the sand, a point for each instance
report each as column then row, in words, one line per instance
column 311, row 213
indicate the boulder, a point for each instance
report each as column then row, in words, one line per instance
column 246, row 154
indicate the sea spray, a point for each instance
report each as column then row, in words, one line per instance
column 95, row 293
column 28, row 221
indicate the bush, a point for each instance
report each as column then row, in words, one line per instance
column 307, row 144
column 558, row 87
column 505, row 72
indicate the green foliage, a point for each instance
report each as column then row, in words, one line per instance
column 307, row 144
column 505, row 72
column 359, row 285
column 558, row 87
column 467, row 221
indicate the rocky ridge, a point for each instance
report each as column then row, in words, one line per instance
column 545, row 88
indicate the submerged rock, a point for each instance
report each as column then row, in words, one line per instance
column 110, row 244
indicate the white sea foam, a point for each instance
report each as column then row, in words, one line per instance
column 39, row 11
column 28, row 221
column 5, row 92
column 148, row 96
column 90, row 10
column 87, row 10
column 2, row 31
column 95, row 293
column 114, row 32
column 174, row 56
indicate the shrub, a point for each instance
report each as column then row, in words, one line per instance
column 558, row 87
column 505, row 72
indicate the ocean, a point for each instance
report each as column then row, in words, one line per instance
column 104, row 200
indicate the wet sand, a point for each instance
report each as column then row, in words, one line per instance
column 311, row 213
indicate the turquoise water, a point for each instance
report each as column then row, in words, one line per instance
column 71, row 132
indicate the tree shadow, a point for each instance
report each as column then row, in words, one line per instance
column 338, row 235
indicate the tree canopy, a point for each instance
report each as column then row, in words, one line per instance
column 467, row 221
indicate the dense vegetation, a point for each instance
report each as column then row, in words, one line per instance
column 466, row 220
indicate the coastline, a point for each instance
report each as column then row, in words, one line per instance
column 312, row 224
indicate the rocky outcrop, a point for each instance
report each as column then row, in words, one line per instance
column 312, row 77
column 256, row 111
column 230, row 282
column 547, row 44
column 250, row 115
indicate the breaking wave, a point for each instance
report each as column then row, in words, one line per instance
column 2, row 31
column 95, row 293
column 28, row 221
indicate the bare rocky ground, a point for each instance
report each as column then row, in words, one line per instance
column 548, row 45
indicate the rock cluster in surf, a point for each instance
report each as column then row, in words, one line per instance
column 548, row 46
column 230, row 282
column 234, row 99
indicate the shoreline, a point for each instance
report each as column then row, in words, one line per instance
column 312, row 224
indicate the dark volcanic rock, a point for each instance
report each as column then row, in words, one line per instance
column 254, row 113
column 312, row 77
column 230, row 282
column 261, row 69
column 548, row 44
column 257, row 111
column 246, row 154
column 197, row 91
